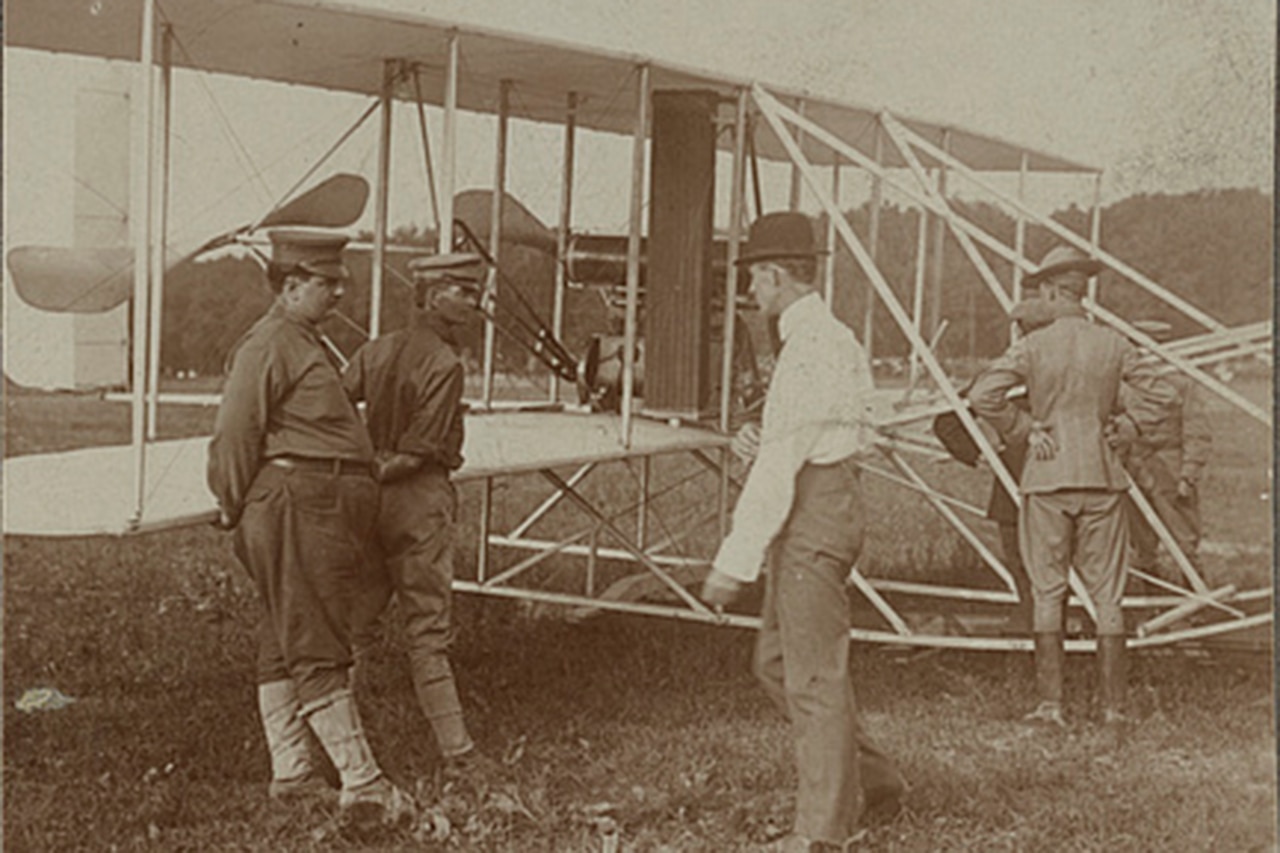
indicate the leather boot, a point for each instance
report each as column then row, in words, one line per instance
column 1112, row 685
column 293, row 775
column 1049, row 662
column 438, row 697
column 366, row 794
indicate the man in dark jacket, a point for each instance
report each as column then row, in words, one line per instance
column 412, row 382
column 1028, row 315
column 289, row 464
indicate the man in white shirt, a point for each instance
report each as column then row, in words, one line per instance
column 801, row 516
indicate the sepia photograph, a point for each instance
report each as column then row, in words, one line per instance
column 596, row 425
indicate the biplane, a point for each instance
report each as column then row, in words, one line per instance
column 613, row 472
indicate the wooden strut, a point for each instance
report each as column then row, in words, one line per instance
column 1219, row 388
column 840, row 146
column 735, row 620
column 143, row 158
column 993, row 284
column 943, row 209
column 640, row 133
column 612, row 529
column 770, row 108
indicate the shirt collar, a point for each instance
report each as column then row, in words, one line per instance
column 436, row 323
column 799, row 313
column 1071, row 309
column 278, row 312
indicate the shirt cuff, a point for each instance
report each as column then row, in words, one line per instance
column 739, row 560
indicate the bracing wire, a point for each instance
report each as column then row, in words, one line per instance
column 237, row 143
column 426, row 149
column 586, row 169
column 320, row 162
column 545, row 346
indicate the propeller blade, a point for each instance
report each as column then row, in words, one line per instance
column 79, row 281
column 90, row 281
column 335, row 202
column 519, row 225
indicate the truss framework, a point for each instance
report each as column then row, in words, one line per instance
column 665, row 565
column 1225, row 609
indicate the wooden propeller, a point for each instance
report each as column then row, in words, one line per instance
column 90, row 281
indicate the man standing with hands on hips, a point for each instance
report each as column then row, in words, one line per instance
column 800, row 517
column 289, row 464
column 1073, row 483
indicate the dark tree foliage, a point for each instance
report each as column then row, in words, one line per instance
column 1211, row 248
column 209, row 306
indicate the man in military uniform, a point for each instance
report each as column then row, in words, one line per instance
column 801, row 517
column 412, row 382
column 289, row 464
column 1166, row 462
column 1027, row 315
column 1073, row 482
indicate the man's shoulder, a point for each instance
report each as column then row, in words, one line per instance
column 826, row 327
column 265, row 336
column 382, row 344
column 1075, row 330
column 827, row 338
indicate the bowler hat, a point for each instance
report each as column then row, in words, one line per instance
column 460, row 266
column 1063, row 259
column 312, row 250
column 777, row 236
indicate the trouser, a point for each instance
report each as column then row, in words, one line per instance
column 1180, row 515
column 416, row 520
column 802, row 653
column 1012, row 554
column 1080, row 528
column 303, row 540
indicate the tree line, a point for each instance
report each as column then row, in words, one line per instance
column 1212, row 248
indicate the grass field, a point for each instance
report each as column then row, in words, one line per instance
column 646, row 727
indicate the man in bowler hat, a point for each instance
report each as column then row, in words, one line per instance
column 800, row 518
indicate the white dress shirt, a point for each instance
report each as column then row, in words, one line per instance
column 818, row 410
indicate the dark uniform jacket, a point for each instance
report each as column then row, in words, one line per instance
column 283, row 397
column 412, row 381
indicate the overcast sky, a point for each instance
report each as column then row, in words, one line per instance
column 1164, row 95
column 1167, row 95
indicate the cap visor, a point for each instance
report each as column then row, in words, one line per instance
column 329, row 269
column 779, row 256
column 1088, row 266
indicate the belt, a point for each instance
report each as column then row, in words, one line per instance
column 334, row 467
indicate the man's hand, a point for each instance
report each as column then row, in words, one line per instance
column 224, row 521
column 719, row 590
column 389, row 467
column 1121, row 432
column 746, row 442
column 1186, row 489
column 1040, row 443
